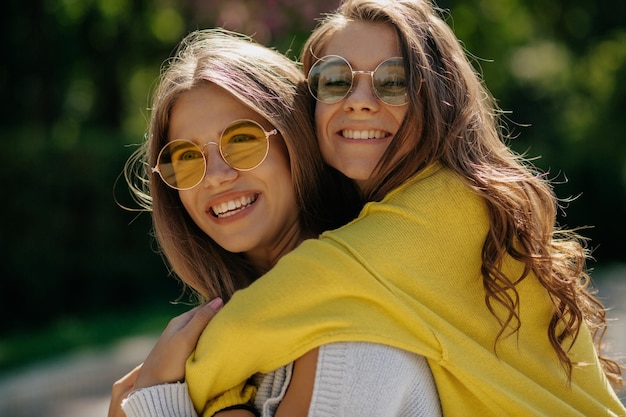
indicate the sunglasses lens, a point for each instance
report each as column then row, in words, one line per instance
column 244, row 145
column 181, row 164
column 330, row 79
column 390, row 82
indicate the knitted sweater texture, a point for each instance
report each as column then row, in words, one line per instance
column 352, row 379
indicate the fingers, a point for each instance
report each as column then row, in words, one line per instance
column 205, row 312
column 201, row 318
column 166, row 362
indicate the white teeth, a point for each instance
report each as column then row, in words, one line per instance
column 231, row 207
column 363, row 134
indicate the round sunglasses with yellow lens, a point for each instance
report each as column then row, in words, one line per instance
column 243, row 145
column 331, row 79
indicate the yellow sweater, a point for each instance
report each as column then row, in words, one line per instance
column 405, row 273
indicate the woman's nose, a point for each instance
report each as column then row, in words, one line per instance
column 217, row 170
column 362, row 96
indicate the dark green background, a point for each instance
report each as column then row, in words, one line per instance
column 75, row 79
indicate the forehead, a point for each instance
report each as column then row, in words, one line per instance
column 205, row 111
column 364, row 44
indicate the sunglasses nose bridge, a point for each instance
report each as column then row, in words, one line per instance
column 217, row 169
column 370, row 73
column 355, row 73
column 205, row 152
column 203, row 147
column 353, row 86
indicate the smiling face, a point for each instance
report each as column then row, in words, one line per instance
column 254, row 211
column 355, row 132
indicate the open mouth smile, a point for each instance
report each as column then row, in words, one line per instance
column 364, row 134
column 232, row 207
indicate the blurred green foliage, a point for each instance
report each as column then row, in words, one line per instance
column 76, row 78
column 80, row 333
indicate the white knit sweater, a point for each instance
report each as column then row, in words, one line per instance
column 352, row 379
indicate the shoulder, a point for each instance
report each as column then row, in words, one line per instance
column 434, row 188
column 434, row 196
column 436, row 206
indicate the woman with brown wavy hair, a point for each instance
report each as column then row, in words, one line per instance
column 457, row 255
column 455, row 124
column 268, row 84
column 235, row 180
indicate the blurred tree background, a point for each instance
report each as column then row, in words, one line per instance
column 76, row 76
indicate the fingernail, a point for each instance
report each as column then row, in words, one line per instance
column 216, row 303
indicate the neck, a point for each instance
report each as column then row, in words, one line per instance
column 264, row 259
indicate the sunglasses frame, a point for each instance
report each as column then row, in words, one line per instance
column 201, row 149
column 354, row 73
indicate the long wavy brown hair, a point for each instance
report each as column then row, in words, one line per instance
column 453, row 119
column 273, row 86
